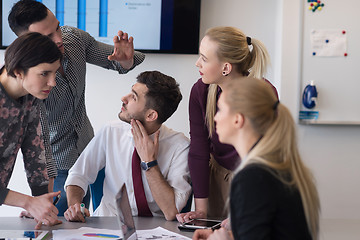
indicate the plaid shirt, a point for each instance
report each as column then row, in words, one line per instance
column 69, row 127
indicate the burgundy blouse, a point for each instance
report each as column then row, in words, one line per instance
column 201, row 146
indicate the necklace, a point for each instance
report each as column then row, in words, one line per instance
column 255, row 143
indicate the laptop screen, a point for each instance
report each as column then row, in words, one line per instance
column 125, row 218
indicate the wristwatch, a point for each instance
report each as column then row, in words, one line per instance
column 147, row 165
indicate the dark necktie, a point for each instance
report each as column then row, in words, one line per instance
column 141, row 203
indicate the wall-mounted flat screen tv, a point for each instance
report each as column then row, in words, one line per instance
column 158, row 26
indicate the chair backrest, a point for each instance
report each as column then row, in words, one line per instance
column 96, row 189
column 187, row 207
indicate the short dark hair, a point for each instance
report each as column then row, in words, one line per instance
column 29, row 50
column 24, row 13
column 163, row 93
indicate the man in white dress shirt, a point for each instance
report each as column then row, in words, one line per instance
column 162, row 151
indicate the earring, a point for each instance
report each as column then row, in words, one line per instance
column 224, row 73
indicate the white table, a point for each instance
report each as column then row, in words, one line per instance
column 141, row 223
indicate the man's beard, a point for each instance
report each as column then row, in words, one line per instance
column 127, row 118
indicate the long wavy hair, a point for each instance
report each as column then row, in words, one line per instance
column 277, row 149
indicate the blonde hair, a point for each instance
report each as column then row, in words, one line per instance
column 256, row 100
column 233, row 47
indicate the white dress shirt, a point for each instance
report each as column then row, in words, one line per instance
column 112, row 148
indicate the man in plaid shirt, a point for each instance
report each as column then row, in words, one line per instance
column 64, row 120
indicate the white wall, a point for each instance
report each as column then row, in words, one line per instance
column 330, row 151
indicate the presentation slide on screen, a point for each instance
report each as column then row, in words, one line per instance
column 102, row 19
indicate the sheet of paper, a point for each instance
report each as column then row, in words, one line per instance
column 159, row 233
column 328, row 43
column 86, row 233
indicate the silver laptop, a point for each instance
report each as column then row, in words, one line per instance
column 125, row 218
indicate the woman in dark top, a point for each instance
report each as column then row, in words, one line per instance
column 273, row 195
column 31, row 62
column 226, row 54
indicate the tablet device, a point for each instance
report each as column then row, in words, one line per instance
column 23, row 234
column 200, row 224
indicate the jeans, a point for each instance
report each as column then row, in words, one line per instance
column 59, row 186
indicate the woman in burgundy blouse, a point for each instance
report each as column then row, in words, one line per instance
column 226, row 54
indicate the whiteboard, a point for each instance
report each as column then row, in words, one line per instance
column 337, row 79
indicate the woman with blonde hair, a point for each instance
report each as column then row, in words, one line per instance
column 226, row 54
column 273, row 194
